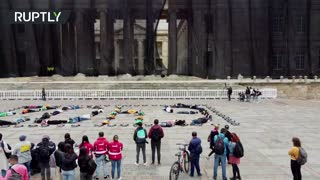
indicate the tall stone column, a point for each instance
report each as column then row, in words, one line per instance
column 140, row 57
column 85, row 42
column 150, row 38
column 106, row 64
column 128, row 41
column 116, row 56
column 172, row 65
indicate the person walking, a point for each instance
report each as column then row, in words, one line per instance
column 4, row 152
column 220, row 147
column 68, row 163
column 229, row 89
column 16, row 168
column 84, row 164
column 156, row 134
column 100, row 151
column 115, row 156
column 195, row 150
column 139, row 137
column 86, row 144
column 294, row 155
column 23, row 151
column 43, row 94
column 44, row 149
column 235, row 161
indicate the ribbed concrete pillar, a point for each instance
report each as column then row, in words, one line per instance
column 172, row 67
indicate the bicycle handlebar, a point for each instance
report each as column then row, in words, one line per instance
column 180, row 144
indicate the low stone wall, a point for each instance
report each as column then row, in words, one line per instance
column 291, row 90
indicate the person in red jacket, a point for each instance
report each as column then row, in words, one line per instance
column 100, row 151
column 156, row 134
column 86, row 144
column 115, row 156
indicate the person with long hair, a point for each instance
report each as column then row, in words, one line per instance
column 83, row 162
column 294, row 154
column 68, row 163
column 234, row 161
column 115, row 156
column 86, row 144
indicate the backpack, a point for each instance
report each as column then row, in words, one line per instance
column 302, row 159
column 91, row 167
column 44, row 153
column 15, row 175
column 156, row 134
column 238, row 150
column 199, row 149
column 219, row 146
column 141, row 136
column 7, row 154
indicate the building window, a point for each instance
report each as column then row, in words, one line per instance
column 299, row 60
column 277, row 61
column 300, row 24
column 277, row 24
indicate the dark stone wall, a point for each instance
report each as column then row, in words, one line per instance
column 225, row 37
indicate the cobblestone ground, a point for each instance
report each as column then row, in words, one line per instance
column 266, row 130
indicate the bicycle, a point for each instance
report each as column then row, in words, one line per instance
column 182, row 164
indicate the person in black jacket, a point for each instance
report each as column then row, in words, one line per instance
column 68, row 163
column 44, row 150
column 68, row 140
column 83, row 162
column 227, row 135
column 58, row 154
column 229, row 93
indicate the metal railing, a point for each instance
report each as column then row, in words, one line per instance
column 128, row 94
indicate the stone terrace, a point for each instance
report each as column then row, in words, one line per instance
column 266, row 130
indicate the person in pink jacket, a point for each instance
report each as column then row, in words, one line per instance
column 115, row 156
column 18, row 168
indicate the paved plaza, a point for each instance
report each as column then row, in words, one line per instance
column 266, row 130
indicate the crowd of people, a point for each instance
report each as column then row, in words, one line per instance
column 25, row 158
column 250, row 95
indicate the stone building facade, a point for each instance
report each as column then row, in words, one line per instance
column 206, row 38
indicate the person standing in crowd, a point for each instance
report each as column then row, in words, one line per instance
column 23, row 151
column 115, row 156
column 68, row 163
column 58, row 154
column 227, row 135
column 156, row 134
column 68, row 140
column 100, row 151
column 86, row 144
column 294, row 154
column 195, row 150
column 3, row 158
column 83, row 162
column 16, row 168
column 232, row 158
column 44, row 94
column 220, row 147
column 229, row 89
column 139, row 137
column 44, row 150
column 213, row 133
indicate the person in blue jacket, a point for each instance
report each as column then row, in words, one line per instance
column 221, row 144
column 195, row 150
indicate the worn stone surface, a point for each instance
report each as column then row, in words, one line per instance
column 266, row 130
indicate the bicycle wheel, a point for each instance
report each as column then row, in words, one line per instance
column 174, row 171
column 186, row 162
